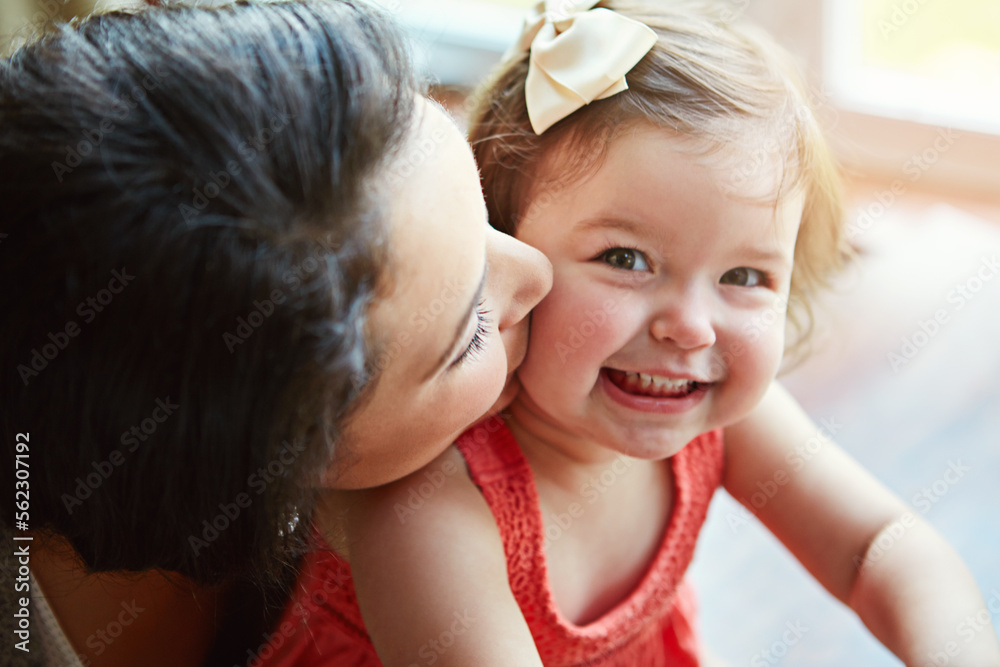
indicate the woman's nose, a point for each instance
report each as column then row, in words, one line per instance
column 524, row 275
column 685, row 319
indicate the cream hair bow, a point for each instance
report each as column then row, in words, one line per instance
column 578, row 54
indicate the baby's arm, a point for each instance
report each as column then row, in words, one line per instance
column 912, row 595
column 432, row 580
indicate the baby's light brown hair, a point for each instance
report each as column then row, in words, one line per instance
column 723, row 85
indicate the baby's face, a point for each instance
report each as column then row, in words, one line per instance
column 667, row 314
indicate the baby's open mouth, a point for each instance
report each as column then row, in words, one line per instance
column 654, row 386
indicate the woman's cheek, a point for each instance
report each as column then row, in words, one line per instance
column 484, row 380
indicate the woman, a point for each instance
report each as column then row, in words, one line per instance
column 242, row 259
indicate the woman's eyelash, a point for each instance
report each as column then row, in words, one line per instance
column 478, row 342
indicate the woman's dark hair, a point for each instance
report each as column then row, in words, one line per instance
column 190, row 240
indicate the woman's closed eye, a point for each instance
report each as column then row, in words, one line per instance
column 627, row 259
column 478, row 342
column 745, row 277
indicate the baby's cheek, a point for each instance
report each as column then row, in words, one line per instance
column 758, row 350
column 574, row 326
column 771, row 348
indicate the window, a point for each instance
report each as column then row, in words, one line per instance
column 922, row 60
column 457, row 42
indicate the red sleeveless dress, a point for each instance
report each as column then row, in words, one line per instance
column 654, row 626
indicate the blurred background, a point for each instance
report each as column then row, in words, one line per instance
column 907, row 356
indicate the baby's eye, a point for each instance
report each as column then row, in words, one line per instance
column 744, row 277
column 628, row 259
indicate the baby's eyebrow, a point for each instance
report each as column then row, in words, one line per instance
column 761, row 254
column 612, row 223
column 640, row 230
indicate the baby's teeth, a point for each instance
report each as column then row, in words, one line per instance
column 668, row 383
column 644, row 381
